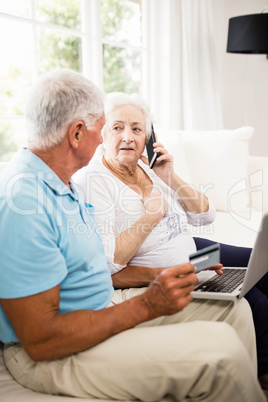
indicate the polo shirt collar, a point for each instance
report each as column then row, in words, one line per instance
column 45, row 174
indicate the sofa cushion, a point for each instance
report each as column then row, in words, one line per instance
column 237, row 229
column 173, row 142
column 216, row 163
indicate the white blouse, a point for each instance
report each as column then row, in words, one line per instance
column 118, row 207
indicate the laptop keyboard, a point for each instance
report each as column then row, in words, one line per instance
column 225, row 283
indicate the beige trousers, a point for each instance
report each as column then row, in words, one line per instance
column 193, row 355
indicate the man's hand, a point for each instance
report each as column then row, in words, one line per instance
column 171, row 291
column 46, row 334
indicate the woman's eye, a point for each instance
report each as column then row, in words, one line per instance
column 137, row 129
column 116, row 128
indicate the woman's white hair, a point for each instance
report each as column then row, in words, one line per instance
column 114, row 99
column 56, row 100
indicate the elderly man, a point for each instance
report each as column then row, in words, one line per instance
column 65, row 329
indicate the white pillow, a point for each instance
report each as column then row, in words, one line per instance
column 217, row 161
column 172, row 140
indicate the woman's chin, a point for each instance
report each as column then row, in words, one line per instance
column 125, row 159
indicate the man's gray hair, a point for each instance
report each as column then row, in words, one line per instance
column 114, row 99
column 56, row 100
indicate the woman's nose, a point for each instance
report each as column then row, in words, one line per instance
column 127, row 135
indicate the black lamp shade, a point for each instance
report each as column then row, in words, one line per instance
column 248, row 34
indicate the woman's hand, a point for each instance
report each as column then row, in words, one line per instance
column 155, row 205
column 164, row 163
column 131, row 239
column 192, row 199
column 218, row 268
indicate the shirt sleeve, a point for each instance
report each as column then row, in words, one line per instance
column 204, row 218
column 100, row 190
column 31, row 261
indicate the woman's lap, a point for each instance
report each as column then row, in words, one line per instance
column 231, row 256
column 257, row 297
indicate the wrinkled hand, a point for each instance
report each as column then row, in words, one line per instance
column 155, row 204
column 171, row 291
column 218, row 268
column 164, row 164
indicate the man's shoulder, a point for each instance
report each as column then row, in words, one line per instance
column 19, row 174
column 21, row 188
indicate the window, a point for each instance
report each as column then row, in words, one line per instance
column 39, row 35
column 121, row 27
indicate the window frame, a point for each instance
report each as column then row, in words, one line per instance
column 92, row 42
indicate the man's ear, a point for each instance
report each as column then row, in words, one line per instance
column 75, row 133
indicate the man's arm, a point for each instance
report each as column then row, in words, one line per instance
column 45, row 334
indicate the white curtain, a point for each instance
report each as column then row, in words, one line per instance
column 180, row 71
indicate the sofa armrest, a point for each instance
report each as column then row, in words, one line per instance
column 258, row 182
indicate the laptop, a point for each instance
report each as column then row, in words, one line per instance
column 224, row 287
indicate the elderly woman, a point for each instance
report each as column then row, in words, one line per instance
column 143, row 214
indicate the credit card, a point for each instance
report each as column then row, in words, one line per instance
column 206, row 257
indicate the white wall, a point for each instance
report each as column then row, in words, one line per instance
column 244, row 78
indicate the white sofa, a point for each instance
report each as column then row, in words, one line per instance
column 218, row 163
column 236, row 182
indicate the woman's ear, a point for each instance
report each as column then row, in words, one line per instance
column 75, row 133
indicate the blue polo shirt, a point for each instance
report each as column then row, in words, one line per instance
column 48, row 237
